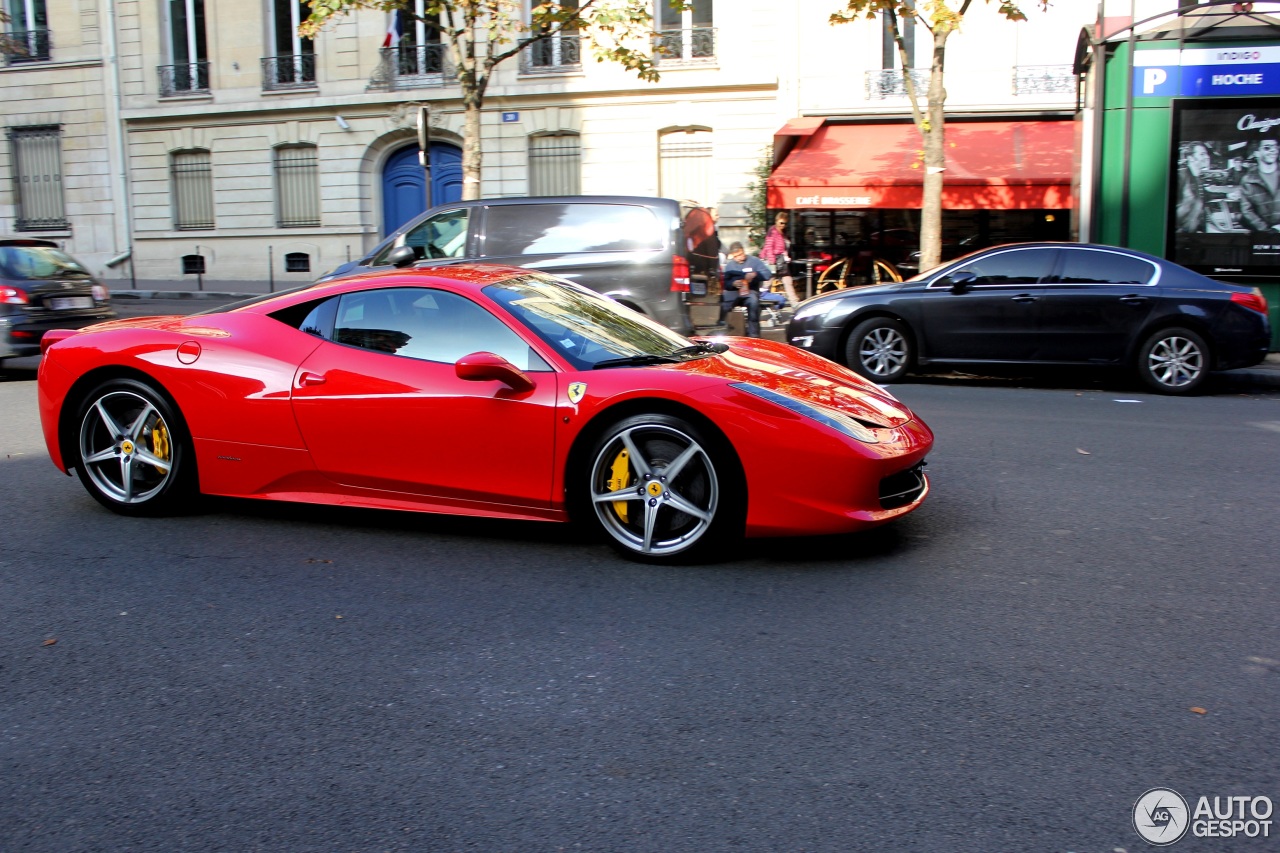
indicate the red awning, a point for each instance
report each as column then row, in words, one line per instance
column 1001, row 165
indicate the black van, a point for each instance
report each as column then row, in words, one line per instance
column 651, row 254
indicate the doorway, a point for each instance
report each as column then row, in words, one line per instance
column 403, row 183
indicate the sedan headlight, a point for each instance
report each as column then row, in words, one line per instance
column 838, row 421
column 821, row 307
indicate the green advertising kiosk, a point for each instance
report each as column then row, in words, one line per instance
column 1186, row 142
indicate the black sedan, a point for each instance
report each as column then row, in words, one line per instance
column 1043, row 303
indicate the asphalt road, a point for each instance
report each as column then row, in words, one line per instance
column 1085, row 609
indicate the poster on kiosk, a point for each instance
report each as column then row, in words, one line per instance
column 1224, row 206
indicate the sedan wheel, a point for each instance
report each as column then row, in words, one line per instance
column 131, row 452
column 1174, row 361
column 880, row 350
column 656, row 488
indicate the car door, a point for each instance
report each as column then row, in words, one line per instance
column 380, row 405
column 1097, row 301
column 995, row 317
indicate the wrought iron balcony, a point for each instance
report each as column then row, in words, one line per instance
column 412, row 66
column 1044, row 80
column 190, row 78
column 289, row 72
column 892, row 83
column 25, row 46
column 552, row 55
column 696, row 46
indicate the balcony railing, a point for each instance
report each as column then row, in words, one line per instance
column 190, row 78
column 26, row 46
column 1044, row 80
column 413, row 66
column 695, row 46
column 892, row 83
column 552, row 55
column 289, row 72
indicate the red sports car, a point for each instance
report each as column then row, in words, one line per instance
column 479, row 390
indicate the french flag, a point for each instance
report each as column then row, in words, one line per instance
column 393, row 31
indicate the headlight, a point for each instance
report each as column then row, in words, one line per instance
column 830, row 308
column 838, row 421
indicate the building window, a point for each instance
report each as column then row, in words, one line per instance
column 684, row 165
column 188, row 50
column 293, row 63
column 27, row 37
column 297, row 186
column 556, row 53
column 37, row 177
column 192, row 179
column 193, row 264
column 297, row 262
column 685, row 35
column 415, row 37
column 555, row 164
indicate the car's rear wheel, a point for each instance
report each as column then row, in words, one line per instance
column 132, row 452
column 1174, row 361
column 659, row 489
column 880, row 349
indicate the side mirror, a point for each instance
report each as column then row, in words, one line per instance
column 402, row 257
column 962, row 281
column 485, row 366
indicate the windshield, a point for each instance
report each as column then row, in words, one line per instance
column 586, row 328
column 33, row 263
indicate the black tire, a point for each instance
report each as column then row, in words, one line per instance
column 131, row 450
column 880, row 349
column 658, row 514
column 1174, row 361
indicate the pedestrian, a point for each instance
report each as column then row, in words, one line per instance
column 777, row 253
column 743, row 275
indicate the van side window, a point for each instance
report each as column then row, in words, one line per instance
column 550, row 229
column 442, row 236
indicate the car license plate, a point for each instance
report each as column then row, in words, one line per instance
column 69, row 303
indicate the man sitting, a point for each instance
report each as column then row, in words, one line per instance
column 743, row 276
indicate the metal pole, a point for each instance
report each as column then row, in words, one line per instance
column 424, row 148
column 199, row 269
column 271, row 269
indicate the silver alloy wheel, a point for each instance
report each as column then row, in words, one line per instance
column 883, row 351
column 126, row 447
column 1175, row 361
column 654, row 489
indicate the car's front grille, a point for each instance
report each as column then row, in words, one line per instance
column 902, row 488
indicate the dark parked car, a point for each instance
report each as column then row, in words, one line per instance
column 42, row 288
column 1043, row 303
column 650, row 254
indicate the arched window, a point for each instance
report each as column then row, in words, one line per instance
column 297, row 186
column 684, row 165
column 555, row 164
column 191, row 176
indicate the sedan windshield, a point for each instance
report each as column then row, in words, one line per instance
column 587, row 329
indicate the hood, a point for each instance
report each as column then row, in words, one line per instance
column 805, row 377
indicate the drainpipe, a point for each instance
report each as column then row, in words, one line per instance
column 117, row 153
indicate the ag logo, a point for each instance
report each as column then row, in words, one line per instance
column 1161, row 816
column 577, row 390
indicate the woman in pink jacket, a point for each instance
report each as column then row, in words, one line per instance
column 777, row 253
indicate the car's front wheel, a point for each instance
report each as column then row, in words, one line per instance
column 880, row 349
column 1174, row 361
column 660, row 489
column 131, row 452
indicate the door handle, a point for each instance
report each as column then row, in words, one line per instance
column 306, row 378
column 1133, row 300
column 1025, row 297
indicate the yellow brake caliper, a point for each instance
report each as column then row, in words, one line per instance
column 620, row 480
column 160, row 444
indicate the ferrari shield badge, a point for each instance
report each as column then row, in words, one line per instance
column 576, row 392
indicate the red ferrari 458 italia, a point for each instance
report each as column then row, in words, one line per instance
column 486, row 391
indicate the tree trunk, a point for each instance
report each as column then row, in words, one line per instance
column 935, row 158
column 471, row 150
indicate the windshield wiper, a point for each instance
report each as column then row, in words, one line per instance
column 703, row 347
column 635, row 361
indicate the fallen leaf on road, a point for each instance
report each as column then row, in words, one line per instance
column 1083, row 452
column 1198, row 710
column 50, row 642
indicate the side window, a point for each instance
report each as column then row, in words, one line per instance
column 538, row 229
column 314, row 318
column 442, row 236
column 1019, row 266
column 427, row 324
column 1089, row 266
